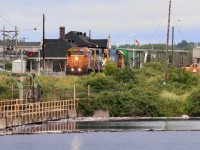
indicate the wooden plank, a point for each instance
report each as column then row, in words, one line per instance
column 19, row 113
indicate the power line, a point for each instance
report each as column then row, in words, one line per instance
column 35, row 28
column 7, row 21
column 177, row 26
column 133, row 34
column 156, row 30
column 39, row 24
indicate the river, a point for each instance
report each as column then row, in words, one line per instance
column 137, row 140
column 124, row 135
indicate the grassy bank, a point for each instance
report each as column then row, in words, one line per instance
column 125, row 92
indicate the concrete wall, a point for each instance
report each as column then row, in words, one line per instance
column 2, row 123
column 101, row 113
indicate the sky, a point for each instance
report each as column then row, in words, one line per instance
column 122, row 20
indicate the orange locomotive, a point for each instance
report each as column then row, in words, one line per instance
column 81, row 60
column 78, row 60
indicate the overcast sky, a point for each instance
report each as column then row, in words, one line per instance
column 122, row 20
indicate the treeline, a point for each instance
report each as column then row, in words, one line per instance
column 183, row 45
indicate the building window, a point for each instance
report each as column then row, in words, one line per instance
column 58, row 65
column 34, row 64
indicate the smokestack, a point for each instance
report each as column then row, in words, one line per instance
column 62, row 32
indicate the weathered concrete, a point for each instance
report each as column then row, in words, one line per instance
column 2, row 123
column 101, row 113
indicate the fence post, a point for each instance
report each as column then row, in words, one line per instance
column 89, row 91
column 74, row 97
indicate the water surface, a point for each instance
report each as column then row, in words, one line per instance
column 136, row 140
column 123, row 125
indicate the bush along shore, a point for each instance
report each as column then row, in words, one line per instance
column 124, row 92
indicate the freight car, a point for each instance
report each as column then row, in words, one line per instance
column 137, row 57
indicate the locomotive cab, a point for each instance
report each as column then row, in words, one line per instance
column 78, row 60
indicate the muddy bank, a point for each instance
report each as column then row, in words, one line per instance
column 79, row 119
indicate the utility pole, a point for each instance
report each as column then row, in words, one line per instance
column 4, row 60
column 74, row 97
column 38, row 62
column 167, row 45
column 6, row 33
column 173, row 46
column 43, row 42
column 16, row 40
column 21, row 95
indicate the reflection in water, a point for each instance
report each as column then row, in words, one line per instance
column 141, row 125
column 50, row 127
column 75, row 143
column 73, row 126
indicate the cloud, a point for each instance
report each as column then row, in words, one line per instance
column 124, row 20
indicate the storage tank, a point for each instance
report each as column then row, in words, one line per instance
column 16, row 66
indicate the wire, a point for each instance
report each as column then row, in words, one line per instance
column 177, row 26
column 39, row 24
column 133, row 34
column 35, row 28
column 156, row 30
column 7, row 21
column 19, row 27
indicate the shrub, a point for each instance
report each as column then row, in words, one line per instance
column 100, row 81
column 110, row 69
column 156, row 66
column 182, row 77
column 126, row 75
column 193, row 104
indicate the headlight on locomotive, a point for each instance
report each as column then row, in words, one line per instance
column 72, row 69
column 79, row 69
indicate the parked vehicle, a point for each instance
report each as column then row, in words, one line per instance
column 194, row 68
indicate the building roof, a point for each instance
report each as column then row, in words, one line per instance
column 12, row 43
column 59, row 47
column 8, row 43
column 102, row 43
column 81, row 39
column 29, row 44
column 55, row 48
